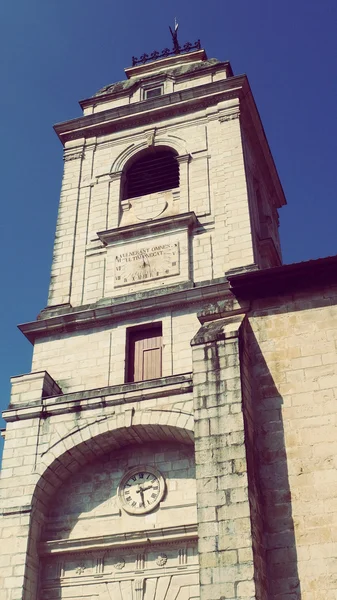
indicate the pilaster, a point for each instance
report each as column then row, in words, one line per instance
column 184, row 199
column 64, row 247
column 225, row 537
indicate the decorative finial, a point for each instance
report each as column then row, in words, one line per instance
column 174, row 34
column 177, row 49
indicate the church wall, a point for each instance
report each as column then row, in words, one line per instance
column 87, row 507
column 264, row 216
column 34, row 444
column 100, row 106
column 294, row 352
column 212, row 184
column 96, row 357
column 135, row 94
column 186, row 85
column 87, row 504
column 232, row 231
column 74, row 428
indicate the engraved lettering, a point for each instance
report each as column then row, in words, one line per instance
column 146, row 263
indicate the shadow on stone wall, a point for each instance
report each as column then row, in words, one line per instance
column 86, row 504
column 275, row 554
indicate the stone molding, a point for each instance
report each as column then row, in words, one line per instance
column 228, row 113
column 159, row 139
column 221, row 329
column 164, row 63
column 161, row 424
column 163, row 225
column 116, row 175
column 147, row 112
column 73, row 154
column 108, row 310
column 123, row 541
column 89, row 400
column 184, row 158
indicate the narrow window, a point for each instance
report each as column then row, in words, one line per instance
column 144, row 353
column 153, row 92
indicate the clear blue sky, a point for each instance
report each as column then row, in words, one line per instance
column 56, row 52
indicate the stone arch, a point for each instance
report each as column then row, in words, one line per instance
column 87, row 444
column 170, row 141
column 97, row 437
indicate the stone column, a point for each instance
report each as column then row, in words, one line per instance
column 225, row 538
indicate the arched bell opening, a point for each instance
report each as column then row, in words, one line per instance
column 155, row 169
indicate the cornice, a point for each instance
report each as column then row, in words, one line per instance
column 176, row 60
column 163, row 225
column 139, row 113
column 122, row 540
column 285, row 279
column 64, row 320
column 156, row 76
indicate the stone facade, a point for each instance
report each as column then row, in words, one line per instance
column 240, row 426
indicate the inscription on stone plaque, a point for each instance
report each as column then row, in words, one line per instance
column 145, row 263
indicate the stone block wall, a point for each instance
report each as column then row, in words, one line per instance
column 51, row 440
column 87, row 505
column 96, row 357
column 293, row 350
column 224, row 526
column 212, row 184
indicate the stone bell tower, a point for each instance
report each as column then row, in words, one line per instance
column 125, row 468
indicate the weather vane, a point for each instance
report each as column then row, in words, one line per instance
column 177, row 49
column 174, row 34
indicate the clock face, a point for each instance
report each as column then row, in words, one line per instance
column 141, row 490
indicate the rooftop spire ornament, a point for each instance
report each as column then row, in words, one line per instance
column 177, row 49
column 174, row 34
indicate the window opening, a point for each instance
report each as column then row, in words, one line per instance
column 144, row 353
column 155, row 171
column 153, row 92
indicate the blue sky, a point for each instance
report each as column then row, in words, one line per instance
column 56, row 52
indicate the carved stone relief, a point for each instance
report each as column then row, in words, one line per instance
column 149, row 207
column 154, row 572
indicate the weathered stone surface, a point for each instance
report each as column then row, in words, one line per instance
column 242, row 423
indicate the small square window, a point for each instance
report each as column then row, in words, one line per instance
column 153, row 92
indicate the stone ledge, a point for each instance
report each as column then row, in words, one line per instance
column 106, row 311
column 139, row 113
column 124, row 540
column 107, row 396
column 16, row 510
column 163, row 225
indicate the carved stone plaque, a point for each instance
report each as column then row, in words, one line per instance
column 146, row 262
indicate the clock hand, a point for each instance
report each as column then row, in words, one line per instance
column 141, row 492
column 143, row 489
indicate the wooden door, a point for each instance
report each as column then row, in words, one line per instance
column 145, row 354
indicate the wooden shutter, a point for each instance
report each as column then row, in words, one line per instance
column 145, row 354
